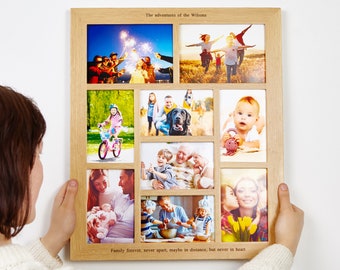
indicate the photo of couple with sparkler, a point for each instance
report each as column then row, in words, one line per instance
column 137, row 53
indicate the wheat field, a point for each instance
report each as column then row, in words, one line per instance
column 252, row 70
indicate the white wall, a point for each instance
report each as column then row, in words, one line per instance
column 34, row 58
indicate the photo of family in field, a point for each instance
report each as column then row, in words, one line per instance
column 177, row 166
column 243, row 125
column 244, row 213
column 135, row 53
column 222, row 53
column 176, row 113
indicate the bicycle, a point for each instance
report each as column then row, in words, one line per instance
column 107, row 145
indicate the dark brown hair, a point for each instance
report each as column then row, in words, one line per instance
column 93, row 193
column 22, row 128
column 224, row 191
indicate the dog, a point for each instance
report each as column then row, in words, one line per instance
column 179, row 121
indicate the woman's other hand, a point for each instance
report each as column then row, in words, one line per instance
column 63, row 218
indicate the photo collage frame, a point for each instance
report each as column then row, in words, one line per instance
column 177, row 137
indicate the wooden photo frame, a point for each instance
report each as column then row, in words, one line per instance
column 176, row 115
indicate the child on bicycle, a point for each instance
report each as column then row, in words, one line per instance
column 115, row 119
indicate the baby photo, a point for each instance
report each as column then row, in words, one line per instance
column 110, row 206
column 177, row 166
column 244, row 214
column 229, row 53
column 110, row 126
column 176, row 112
column 243, row 125
column 177, row 219
column 135, row 53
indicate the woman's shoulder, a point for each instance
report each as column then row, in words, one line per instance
column 32, row 257
column 19, row 256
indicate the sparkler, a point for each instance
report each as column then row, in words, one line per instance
column 135, row 51
column 123, row 35
column 146, row 47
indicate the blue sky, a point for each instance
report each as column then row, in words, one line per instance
column 189, row 34
column 136, row 39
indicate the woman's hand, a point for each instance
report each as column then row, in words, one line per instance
column 289, row 221
column 63, row 218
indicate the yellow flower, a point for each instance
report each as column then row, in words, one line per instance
column 253, row 228
column 231, row 219
column 236, row 227
column 242, row 224
column 247, row 221
column 228, row 237
column 242, row 229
